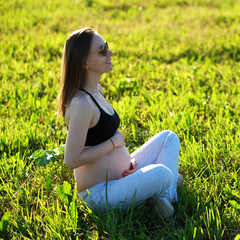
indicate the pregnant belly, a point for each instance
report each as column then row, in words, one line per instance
column 112, row 165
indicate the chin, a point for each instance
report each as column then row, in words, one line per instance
column 110, row 69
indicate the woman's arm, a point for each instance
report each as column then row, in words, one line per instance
column 81, row 113
column 95, row 152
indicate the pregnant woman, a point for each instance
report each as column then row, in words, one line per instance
column 95, row 148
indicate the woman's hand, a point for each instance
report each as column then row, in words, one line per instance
column 118, row 139
column 133, row 168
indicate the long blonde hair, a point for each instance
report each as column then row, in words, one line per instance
column 73, row 69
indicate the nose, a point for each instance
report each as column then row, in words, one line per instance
column 109, row 52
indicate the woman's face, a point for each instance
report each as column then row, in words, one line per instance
column 97, row 63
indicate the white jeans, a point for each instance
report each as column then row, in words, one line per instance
column 156, row 176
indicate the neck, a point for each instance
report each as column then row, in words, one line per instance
column 92, row 81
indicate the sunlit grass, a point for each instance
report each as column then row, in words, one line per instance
column 176, row 66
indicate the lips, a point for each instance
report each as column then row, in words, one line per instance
column 109, row 61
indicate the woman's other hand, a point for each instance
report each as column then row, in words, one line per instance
column 133, row 168
column 118, row 139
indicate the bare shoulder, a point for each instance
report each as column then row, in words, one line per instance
column 80, row 105
column 100, row 88
column 81, row 101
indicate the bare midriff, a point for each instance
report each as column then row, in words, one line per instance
column 112, row 165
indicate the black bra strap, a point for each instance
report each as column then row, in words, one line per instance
column 91, row 97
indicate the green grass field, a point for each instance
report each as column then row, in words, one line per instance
column 176, row 66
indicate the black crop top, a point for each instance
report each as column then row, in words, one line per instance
column 105, row 128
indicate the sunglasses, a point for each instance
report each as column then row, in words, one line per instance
column 103, row 49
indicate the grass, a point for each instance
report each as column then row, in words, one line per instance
column 176, row 66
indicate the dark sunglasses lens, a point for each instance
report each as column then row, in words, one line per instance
column 103, row 49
